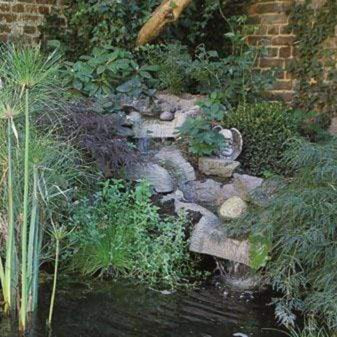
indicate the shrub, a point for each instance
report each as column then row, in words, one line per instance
column 300, row 221
column 266, row 129
column 173, row 62
column 121, row 233
column 105, row 71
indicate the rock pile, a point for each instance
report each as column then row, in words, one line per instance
column 215, row 190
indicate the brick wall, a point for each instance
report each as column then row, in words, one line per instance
column 273, row 31
column 21, row 18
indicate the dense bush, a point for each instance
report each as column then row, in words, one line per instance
column 300, row 221
column 121, row 233
column 266, row 129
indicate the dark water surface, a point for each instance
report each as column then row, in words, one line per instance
column 124, row 310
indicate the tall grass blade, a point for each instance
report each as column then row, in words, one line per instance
column 33, row 244
column 24, row 279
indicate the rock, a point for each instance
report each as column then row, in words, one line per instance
column 179, row 205
column 142, row 105
column 171, row 158
column 155, row 128
column 133, row 118
column 156, row 175
column 223, row 168
column 208, row 238
column 244, row 184
column 228, row 191
column 232, row 208
column 208, row 192
column 262, row 195
column 166, row 116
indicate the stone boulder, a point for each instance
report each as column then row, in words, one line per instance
column 156, row 175
column 232, row 208
column 244, row 184
column 208, row 192
column 172, row 159
column 213, row 166
column 208, row 238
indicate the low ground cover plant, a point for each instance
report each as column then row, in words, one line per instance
column 119, row 232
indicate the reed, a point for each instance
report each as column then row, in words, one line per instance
column 29, row 81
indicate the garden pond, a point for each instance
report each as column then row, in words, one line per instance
column 106, row 309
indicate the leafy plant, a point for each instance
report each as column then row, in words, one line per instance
column 266, row 129
column 300, row 221
column 105, row 71
column 199, row 131
column 173, row 62
column 121, row 233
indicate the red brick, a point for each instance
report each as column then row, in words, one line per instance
column 283, row 85
column 283, row 40
column 271, row 63
column 285, row 52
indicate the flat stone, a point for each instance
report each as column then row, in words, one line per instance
column 212, row 166
column 155, row 128
column 244, row 184
column 172, row 159
column 208, row 192
column 232, row 208
column 208, row 238
column 156, row 175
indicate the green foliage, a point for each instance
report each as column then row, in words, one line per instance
column 315, row 65
column 207, row 71
column 121, row 233
column 106, row 71
column 173, row 62
column 266, row 129
column 199, row 131
column 301, row 221
column 259, row 251
column 93, row 23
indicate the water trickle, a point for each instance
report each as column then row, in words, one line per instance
column 143, row 145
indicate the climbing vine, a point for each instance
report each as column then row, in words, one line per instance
column 314, row 67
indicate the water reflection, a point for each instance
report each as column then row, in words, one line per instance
column 120, row 309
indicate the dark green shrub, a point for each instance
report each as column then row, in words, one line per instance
column 300, row 221
column 266, row 129
column 120, row 233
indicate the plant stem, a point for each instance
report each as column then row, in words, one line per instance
column 52, row 301
column 8, row 286
column 24, row 285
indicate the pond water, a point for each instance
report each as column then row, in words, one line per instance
column 121, row 309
